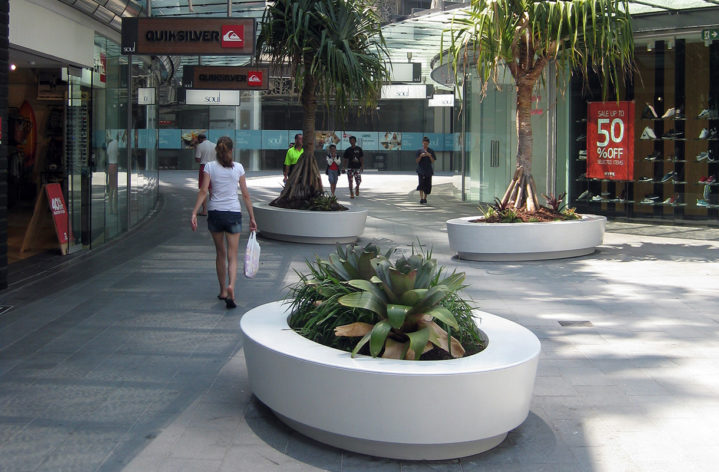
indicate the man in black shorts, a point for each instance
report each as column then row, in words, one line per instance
column 354, row 163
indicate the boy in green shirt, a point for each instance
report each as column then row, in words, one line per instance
column 293, row 155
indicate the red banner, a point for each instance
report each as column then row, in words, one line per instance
column 610, row 140
column 59, row 212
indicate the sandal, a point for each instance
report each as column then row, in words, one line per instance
column 230, row 303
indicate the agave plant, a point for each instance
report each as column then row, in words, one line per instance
column 407, row 306
column 400, row 310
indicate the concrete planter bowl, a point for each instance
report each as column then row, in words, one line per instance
column 416, row 410
column 316, row 227
column 480, row 241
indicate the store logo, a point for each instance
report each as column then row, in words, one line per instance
column 254, row 78
column 233, row 36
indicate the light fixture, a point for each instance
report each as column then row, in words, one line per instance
column 670, row 44
column 13, row 67
column 650, row 46
column 409, row 56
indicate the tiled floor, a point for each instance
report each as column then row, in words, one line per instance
column 123, row 359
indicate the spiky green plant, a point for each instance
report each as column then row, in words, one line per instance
column 400, row 310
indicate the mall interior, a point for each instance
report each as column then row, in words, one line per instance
column 96, row 126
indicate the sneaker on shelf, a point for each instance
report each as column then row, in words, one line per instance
column 648, row 133
column 668, row 176
column 586, row 195
column 668, row 201
column 703, row 133
column 582, row 176
column 669, row 113
column 702, row 202
column 713, row 134
column 702, row 155
column 711, row 179
column 622, row 195
column 581, row 137
column 650, row 199
column 597, row 198
column 706, row 192
column 645, row 179
column 671, row 134
column 711, row 156
column 649, row 112
column 653, row 156
column 678, row 115
column 703, row 179
column 704, row 113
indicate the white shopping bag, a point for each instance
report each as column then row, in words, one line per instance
column 252, row 256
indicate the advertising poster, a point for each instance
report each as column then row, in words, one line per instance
column 59, row 215
column 248, row 139
column 323, row 139
column 169, row 138
column 391, row 140
column 413, row 141
column 189, row 136
column 215, row 134
column 274, row 139
column 368, row 140
column 610, row 140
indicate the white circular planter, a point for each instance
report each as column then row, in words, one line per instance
column 524, row 241
column 417, row 410
column 303, row 226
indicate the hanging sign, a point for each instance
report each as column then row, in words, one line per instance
column 188, row 36
column 226, row 77
column 610, row 140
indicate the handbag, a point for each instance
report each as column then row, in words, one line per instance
column 252, row 256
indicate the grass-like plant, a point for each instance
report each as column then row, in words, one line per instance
column 401, row 309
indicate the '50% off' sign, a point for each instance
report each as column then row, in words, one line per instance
column 610, row 140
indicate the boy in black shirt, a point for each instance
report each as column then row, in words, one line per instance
column 354, row 163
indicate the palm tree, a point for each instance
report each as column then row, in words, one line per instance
column 579, row 36
column 334, row 49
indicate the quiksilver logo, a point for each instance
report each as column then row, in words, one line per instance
column 231, row 36
column 254, row 78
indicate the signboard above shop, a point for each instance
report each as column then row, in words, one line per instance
column 226, row 77
column 188, row 36
column 406, row 92
column 209, row 97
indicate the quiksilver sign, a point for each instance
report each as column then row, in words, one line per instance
column 188, row 36
column 225, row 77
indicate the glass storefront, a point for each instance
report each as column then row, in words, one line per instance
column 676, row 95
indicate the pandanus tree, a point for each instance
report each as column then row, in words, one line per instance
column 579, row 36
column 335, row 51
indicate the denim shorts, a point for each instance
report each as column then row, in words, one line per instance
column 224, row 221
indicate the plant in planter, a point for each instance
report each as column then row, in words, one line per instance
column 401, row 309
column 335, row 50
column 578, row 36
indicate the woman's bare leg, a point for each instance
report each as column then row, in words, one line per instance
column 233, row 243
column 221, row 261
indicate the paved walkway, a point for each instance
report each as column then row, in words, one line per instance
column 123, row 359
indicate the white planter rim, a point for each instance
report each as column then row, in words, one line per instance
column 499, row 354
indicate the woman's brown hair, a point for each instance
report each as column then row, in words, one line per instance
column 224, row 151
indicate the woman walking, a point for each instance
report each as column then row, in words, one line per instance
column 224, row 215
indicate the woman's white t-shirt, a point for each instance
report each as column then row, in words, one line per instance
column 224, row 181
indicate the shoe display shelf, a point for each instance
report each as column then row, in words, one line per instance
column 706, row 161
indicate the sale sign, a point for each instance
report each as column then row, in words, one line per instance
column 59, row 212
column 610, row 140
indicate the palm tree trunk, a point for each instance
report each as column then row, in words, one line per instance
column 525, row 140
column 305, row 183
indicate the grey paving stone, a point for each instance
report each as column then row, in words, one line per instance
column 127, row 361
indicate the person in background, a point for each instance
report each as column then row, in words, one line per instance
column 224, row 219
column 293, row 155
column 333, row 167
column 204, row 154
column 354, row 163
column 425, row 159
column 113, row 151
